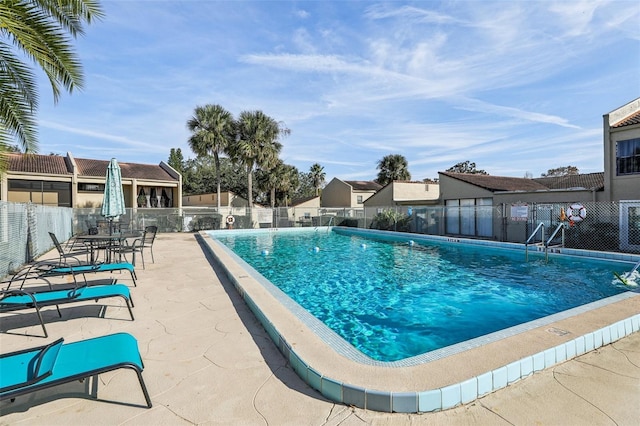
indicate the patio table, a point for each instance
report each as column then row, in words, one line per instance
column 110, row 242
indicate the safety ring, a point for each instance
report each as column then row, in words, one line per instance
column 576, row 212
column 231, row 220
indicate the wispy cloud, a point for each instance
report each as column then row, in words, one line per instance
column 512, row 86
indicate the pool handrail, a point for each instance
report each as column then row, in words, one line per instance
column 526, row 244
column 553, row 235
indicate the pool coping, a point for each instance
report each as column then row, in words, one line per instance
column 431, row 384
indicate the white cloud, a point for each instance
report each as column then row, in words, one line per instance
column 509, row 85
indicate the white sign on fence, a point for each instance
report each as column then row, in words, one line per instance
column 519, row 212
column 265, row 215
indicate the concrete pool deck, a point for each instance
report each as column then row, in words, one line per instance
column 208, row 360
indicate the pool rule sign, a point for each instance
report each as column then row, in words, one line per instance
column 519, row 212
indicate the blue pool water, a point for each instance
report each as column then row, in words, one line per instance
column 393, row 300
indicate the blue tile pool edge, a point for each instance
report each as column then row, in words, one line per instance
column 433, row 399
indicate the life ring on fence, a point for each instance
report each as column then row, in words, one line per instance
column 231, row 220
column 576, row 212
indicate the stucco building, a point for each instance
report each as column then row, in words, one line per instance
column 348, row 193
column 405, row 193
column 622, row 152
column 66, row 181
column 228, row 199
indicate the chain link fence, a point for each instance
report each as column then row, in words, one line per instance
column 24, row 232
column 596, row 226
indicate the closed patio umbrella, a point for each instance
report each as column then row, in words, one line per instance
column 113, row 202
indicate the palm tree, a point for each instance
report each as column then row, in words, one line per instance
column 392, row 167
column 268, row 180
column 317, row 175
column 282, row 179
column 290, row 182
column 256, row 144
column 40, row 31
column 213, row 131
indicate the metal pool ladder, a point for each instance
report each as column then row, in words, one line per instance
column 329, row 224
column 546, row 245
column 533, row 234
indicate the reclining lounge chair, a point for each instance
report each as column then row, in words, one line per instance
column 92, row 269
column 15, row 300
column 39, row 368
column 45, row 269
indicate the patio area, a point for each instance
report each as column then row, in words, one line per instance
column 209, row 361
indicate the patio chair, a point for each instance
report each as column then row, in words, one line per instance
column 45, row 269
column 72, row 252
column 139, row 244
column 34, row 369
column 16, row 300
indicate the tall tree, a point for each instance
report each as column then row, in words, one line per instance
column 176, row 159
column 281, row 181
column 392, row 167
column 317, row 175
column 305, row 186
column 268, row 180
column 561, row 171
column 466, row 167
column 213, row 131
column 288, row 183
column 256, row 144
column 38, row 31
column 198, row 176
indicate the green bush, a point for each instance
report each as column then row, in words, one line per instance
column 201, row 223
column 391, row 220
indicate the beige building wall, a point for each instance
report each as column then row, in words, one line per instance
column 453, row 189
column 360, row 195
column 382, row 198
column 410, row 191
column 336, row 194
column 227, row 199
column 313, row 203
column 626, row 187
column 405, row 193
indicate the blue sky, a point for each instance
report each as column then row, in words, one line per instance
column 514, row 86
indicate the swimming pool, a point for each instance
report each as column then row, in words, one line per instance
column 393, row 298
column 439, row 379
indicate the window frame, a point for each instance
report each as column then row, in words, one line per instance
column 628, row 157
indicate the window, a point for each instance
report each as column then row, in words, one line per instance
column 469, row 216
column 359, row 199
column 628, row 157
column 39, row 192
column 91, row 187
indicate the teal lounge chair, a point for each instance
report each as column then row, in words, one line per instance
column 15, row 300
column 30, row 370
column 44, row 269
column 93, row 268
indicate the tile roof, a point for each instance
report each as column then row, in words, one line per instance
column 502, row 183
column 87, row 167
column 587, row 181
column 59, row 165
column 41, row 164
column 298, row 201
column 363, row 185
column 629, row 120
column 497, row 183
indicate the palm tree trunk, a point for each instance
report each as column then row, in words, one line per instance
column 249, row 185
column 217, row 161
